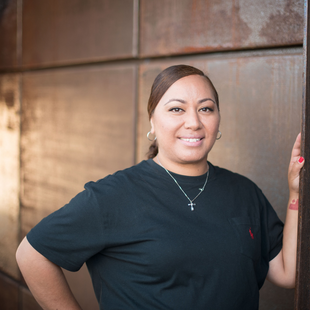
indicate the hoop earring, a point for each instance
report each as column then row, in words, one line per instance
column 148, row 137
column 218, row 138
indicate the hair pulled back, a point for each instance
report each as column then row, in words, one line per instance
column 162, row 83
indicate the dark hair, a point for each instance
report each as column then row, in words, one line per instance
column 162, row 83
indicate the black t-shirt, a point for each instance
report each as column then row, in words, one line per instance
column 146, row 249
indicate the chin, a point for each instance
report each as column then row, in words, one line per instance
column 194, row 159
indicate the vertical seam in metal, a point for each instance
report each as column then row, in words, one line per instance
column 135, row 32
column 19, row 33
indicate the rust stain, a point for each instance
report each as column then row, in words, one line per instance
column 284, row 27
column 9, row 98
column 240, row 29
column 194, row 6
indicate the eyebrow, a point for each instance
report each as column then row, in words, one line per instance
column 183, row 101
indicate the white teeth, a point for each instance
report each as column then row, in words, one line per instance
column 191, row 140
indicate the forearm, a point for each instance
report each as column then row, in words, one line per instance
column 290, row 239
column 282, row 269
column 45, row 280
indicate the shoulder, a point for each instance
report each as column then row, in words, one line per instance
column 242, row 191
column 232, row 177
column 119, row 181
column 235, row 183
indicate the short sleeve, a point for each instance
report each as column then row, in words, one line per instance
column 72, row 234
column 272, row 230
column 271, row 237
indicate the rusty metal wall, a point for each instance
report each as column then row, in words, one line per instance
column 74, row 83
column 57, row 32
column 191, row 26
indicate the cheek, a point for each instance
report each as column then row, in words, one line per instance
column 163, row 126
column 212, row 126
column 164, row 133
column 216, row 124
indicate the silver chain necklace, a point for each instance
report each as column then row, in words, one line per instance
column 191, row 204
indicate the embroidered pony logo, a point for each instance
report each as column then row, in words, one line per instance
column 251, row 234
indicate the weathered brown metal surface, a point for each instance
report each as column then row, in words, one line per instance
column 302, row 290
column 260, row 119
column 187, row 26
column 57, row 32
column 9, row 172
column 8, row 35
column 8, row 294
column 78, row 125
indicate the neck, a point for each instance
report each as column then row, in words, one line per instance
column 189, row 169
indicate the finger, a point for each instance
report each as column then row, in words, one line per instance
column 296, row 151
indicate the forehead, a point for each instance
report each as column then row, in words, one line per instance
column 189, row 87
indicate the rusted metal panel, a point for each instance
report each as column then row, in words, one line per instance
column 9, row 171
column 8, row 35
column 77, row 125
column 187, row 26
column 57, row 32
column 260, row 119
column 8, row 293
column 302, row 292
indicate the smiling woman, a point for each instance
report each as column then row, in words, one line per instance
column 183, row 234
column 164, row 81
column 186, row 122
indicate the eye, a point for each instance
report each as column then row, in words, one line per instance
column 176, row 110
column 206, row 109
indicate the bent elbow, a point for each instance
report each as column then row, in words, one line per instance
column 290, row 284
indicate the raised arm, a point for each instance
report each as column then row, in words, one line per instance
column 45, row 280
column 282, row 269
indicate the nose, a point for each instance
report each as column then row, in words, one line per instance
column 192, row 120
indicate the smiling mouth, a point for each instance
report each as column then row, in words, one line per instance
column 190, row 140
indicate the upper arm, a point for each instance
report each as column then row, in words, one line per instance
column 27, row 256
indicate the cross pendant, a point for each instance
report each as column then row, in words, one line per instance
column 192, row 205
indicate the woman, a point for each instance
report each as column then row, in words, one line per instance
column 173, row 232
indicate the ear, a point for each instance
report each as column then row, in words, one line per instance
column 152, row 126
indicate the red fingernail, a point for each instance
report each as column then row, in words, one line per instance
column 301, row 159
